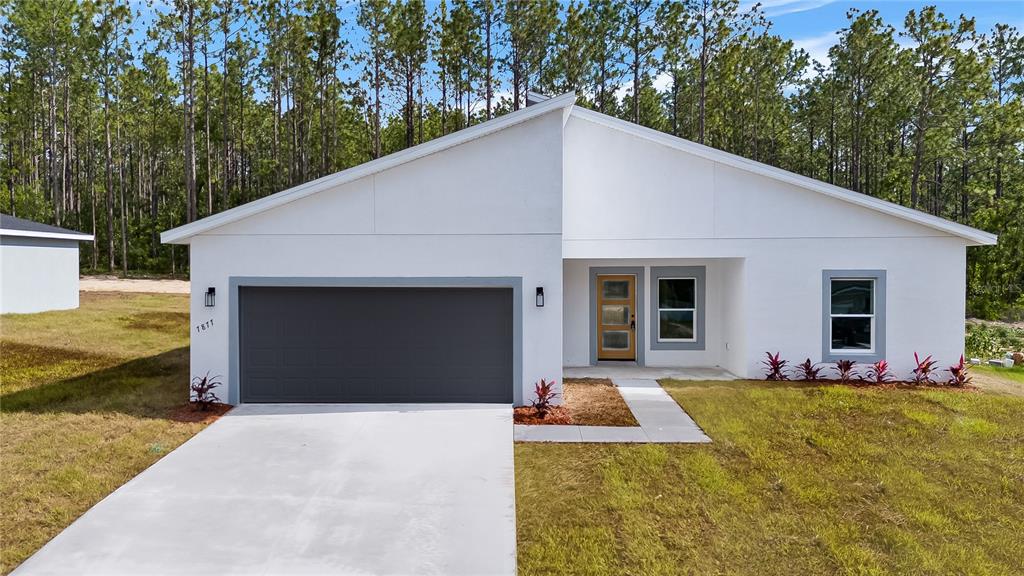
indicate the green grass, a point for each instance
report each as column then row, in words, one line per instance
column 89, row 398
column 799, row 479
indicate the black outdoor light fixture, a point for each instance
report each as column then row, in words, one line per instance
column 211, row 296
column 540, row 296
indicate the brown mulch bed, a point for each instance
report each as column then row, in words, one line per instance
column 586, row 402
column 527, row 415
column 189, row 413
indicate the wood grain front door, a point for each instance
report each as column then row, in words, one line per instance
column 616, row 317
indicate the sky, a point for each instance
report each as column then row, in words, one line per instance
column 812, row 24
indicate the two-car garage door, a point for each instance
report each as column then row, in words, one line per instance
column 361, row 344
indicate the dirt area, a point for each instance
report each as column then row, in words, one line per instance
column 586, row 402
column 115, row 284
column 996, row 383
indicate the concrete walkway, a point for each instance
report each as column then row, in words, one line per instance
column 660, row 417
column 311, row 489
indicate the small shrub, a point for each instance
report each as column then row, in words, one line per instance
column 808, row 370
column 545, row 395
column 775, row 367
column 959, row 373
column 924, row 370
column 202, row 391
column 879, row 373
column 845, row 370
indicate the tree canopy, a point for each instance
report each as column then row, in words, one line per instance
column 125, row 122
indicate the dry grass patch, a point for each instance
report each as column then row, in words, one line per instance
column 586, row 402
column 89, row 398
column 596, row 402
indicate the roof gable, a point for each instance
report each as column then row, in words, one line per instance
column 181, row 234
column 968, row 233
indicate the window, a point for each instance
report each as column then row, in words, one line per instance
column 677, row 309
column 853, row 315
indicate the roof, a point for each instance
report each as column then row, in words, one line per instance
column 916, row 216
column 539, row 105
column 181, row 234
column 14, row 226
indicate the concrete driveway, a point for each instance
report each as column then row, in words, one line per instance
column 312, row 489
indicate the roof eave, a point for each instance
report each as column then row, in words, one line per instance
column 47, row 235
column 182, row 234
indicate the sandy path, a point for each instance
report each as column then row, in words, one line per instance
column 114, row 284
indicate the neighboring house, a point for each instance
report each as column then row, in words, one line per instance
column 38, row 266
column 419, row 276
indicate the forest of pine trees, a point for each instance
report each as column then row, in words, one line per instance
column 125, row 121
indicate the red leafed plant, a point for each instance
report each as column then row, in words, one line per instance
column 924, row 370
column 844, row 369
column 879, row 373
column 775, row 367
column 545, row 394
column 959, row 373
column 202, row 391
column 808, row 370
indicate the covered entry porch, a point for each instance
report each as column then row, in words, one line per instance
column 685, row 315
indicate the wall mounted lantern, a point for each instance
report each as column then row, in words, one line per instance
column 540, row 297
column 211, row 296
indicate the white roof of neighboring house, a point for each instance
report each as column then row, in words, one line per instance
column 14, row 226
column 539, row 106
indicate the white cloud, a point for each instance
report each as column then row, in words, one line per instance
column 661, row 82
column 781, row 7
column 817, row 47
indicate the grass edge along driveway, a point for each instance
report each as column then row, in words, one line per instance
column 89, row 398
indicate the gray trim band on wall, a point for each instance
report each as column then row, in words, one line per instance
column 513, row 282
column 700, row 274
column 826, row 315
column 637, row 271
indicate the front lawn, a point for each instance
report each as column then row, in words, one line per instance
column 799, row 479
column 89, row 398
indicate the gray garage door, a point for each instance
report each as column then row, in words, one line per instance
column 375, row 344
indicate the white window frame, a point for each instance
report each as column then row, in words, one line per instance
column 659, row 309
column 872, row 316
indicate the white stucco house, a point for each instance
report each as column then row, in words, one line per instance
column 469, row 267
column 38, row 266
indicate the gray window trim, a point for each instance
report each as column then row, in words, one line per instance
column 637, row 271
column 513, row 282
column 698, row 272
column 827, row 355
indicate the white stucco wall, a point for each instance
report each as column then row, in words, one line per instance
column 631, row 201
column 489, row 207
column 38, row 274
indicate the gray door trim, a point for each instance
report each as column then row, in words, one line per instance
column 513, row 282
column 637, row 271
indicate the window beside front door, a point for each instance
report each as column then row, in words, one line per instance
column 677, row 309
column 853, row 315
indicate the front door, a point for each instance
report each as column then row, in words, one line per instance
column 616, row 317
